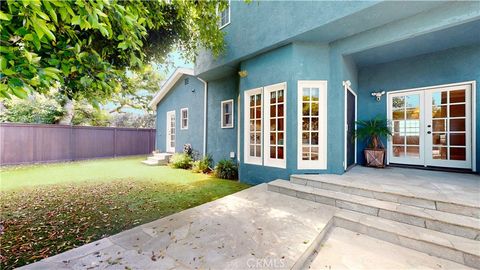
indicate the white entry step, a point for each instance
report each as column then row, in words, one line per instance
column 158, row 159
column 458, row 225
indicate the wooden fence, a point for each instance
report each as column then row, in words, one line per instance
column 37, row 143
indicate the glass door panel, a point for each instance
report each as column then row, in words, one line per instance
column 448, row 134
column 406, row 116
column 275, row 124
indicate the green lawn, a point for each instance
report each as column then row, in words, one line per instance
column 48, row 209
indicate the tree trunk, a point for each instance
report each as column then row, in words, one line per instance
column 69, row 112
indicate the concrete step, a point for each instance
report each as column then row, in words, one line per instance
column 442, row 245
column 458, row 225
column 159, row 161
column 381, row 193
column 150, row 162
column 163, row 156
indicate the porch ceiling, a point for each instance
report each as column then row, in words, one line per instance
column 461, row 35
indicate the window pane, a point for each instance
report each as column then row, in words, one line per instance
column 305, row 153
column 398, row 102
column 252, row 125
column 398, row 139
column 280, row 124
column 226, row 108
column 314, row 153
column 439, row 125
column 252, row 138
column 305, row 138
column 280, row 110
column 439, row 111
column 280, row 138
column 457, row 110
column 258, row 99
column 252, row 150
column 306, row 109
column 273, row 152
column 439, row 152
column 457, row 153
column 273, row 125
column 280, row 152
column 413, row 151
column 315, row 109
column 314, row 138
column 457, row 125
column 258, row 138
column 457, row 96
column 280, row 96
column 412, row 101
column 258, row 112
column 258, row 125
column 314, row 123
column 306, row 94
column 273, row 111
column 258, row 152
column 305, row 123
column 457, row 139
column 315, row 93
column 439, row 138
column 252, row 101
column 399, row 114
column 273, row 97
column 413, row 140
column 398, row 151
column 227, row 120
column 273, row 138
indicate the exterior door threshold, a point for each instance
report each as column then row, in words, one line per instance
column 432, row 168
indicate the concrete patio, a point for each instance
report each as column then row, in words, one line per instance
column 293, row 225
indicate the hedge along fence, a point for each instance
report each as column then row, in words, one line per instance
column 38, row 143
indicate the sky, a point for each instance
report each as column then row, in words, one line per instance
column 175, row 60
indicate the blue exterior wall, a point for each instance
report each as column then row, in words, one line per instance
column 444, row 67
column 221, row 141
column 182, row 96
column 335, row 41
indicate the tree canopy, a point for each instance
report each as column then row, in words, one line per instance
column 87, row 45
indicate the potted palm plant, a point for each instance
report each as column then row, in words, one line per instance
column 373, row 131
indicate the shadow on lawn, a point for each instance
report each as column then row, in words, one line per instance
column 46, row 220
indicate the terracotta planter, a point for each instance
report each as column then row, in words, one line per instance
column 375, row 157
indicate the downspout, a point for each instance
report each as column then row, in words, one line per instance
column 205, row 96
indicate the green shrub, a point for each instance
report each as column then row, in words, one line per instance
column 203, row 165
column 181, row 161
column 226, row 169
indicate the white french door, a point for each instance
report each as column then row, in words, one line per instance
column 170, row 134
column 432, row 127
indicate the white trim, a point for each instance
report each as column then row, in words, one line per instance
column 474, row 125
column 472, row 111
column 321, row 163
column 267, row 161
column 168, row 85
column 247, row 159
column 168, row 148
column 239, row 117
column 229, row 16
column 346, row 86
column 205, row 96
column 182, row 127
column 232, row 125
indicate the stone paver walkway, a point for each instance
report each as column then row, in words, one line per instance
column 250, row 229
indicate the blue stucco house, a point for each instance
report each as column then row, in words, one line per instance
column 295, row 75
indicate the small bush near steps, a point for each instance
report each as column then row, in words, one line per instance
column 181, row 161
column 226, row 169
column 203, row 165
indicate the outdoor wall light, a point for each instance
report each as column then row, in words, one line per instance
column 378, row 95
column 243, row 73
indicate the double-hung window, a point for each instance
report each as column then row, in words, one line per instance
column 224, row 16
column 184, row 118
column 227, row 113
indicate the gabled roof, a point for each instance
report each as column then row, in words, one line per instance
column 168, row 85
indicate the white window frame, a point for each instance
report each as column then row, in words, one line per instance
column 321, row 163
column 274, row 162
column 246, row 147
column 182, row 127
column 219, row 14
column 231, row 125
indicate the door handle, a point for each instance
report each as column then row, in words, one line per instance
column 429, row 125
column 429, row 132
